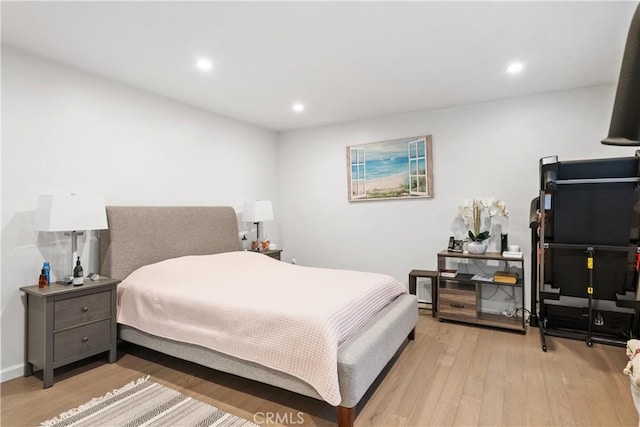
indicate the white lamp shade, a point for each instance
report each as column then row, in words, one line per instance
column 70, row 213
column 257, row 211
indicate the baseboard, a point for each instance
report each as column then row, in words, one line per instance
column 11, row 372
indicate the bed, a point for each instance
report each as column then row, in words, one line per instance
column 142, row 236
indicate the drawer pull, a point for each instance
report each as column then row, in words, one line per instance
column 85, row 339
column 457, row 305
column 85, row 308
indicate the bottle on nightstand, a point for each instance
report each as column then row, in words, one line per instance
column 42, row 281
column 78, row 274
column 47, row 272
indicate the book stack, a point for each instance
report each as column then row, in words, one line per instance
column 505, row 277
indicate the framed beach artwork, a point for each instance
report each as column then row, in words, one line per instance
column 398, row 169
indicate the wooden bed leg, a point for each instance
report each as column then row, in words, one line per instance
column 412, row 334
column 345, row 416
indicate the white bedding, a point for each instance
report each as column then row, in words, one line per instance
column 253, row 307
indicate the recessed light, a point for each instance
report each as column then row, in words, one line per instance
column 203, row 64
column 515, row 67
column 298, row 107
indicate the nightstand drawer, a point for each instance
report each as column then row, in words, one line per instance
column 83, row 339
column 457, row 305
column 74, row 311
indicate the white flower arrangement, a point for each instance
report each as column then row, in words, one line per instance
column 473, row 211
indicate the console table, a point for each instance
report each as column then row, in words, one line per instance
column 459, row 294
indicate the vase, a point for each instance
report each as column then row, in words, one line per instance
column 477, row 248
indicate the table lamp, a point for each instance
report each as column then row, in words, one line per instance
column 256, row 211
column 71, row 214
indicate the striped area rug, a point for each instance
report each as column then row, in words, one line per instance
column 146, row 403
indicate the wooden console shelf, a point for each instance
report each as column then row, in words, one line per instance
column 459, row 297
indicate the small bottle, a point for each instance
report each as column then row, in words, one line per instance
column 78, row 274
column 42, row 280
column 245, row 242
column 47, row 272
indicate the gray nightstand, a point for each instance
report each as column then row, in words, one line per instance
column 275, row 253
column 65, row 323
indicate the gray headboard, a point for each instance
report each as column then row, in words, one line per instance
column 141, row 235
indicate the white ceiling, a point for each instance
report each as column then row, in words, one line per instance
column 343, row 60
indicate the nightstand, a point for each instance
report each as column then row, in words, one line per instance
column 273, row 253
column 65, row 323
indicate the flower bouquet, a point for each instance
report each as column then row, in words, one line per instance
column 476, row 213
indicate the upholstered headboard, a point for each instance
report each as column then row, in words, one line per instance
column 140, row 235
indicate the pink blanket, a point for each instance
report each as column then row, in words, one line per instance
column 250, row 306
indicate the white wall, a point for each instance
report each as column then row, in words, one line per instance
column 484, row 150
column 66, row 131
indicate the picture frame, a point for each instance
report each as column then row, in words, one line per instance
column 396, row 169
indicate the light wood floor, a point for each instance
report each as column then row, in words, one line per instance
column 451, row 374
